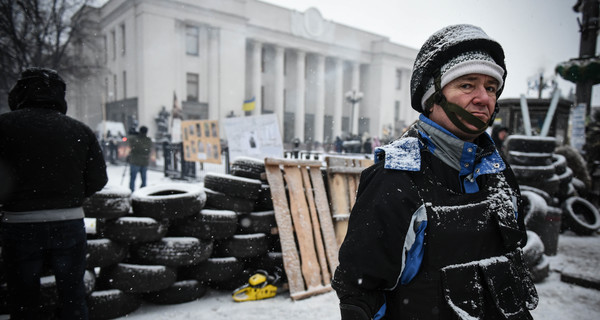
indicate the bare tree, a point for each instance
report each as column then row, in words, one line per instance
column 37, row 33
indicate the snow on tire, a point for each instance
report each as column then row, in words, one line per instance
column 239, row 187
column 104, row 252
column 547, row 197
column 257, row 222
column 533, row 249
column 168, row 201
column 135, row 229
column 207, row 224
column 214, row 269
column 532, row 144
column 248, row 168
column 529, row 158
column 559, row 162
column 111, row 304
column 173, row 251
column 535, row 208
column 243, row 245
column 222, row 201
column 535, row 172
column 109, row 203
column 179, row 292
column 580, row 216
column 135, row 278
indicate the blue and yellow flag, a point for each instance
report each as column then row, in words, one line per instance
column 249, row 105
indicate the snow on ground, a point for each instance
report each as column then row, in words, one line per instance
column 558, row 300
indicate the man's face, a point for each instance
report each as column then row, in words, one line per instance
column 476, row 93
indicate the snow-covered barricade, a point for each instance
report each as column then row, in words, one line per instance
column 551, row 196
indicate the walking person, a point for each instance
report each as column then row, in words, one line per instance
column 49, row 163
column 139, row 156
column 437, row 228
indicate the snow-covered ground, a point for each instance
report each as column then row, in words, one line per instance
column 558, row 300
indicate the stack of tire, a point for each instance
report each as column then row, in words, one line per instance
column 243, row 226
column 550, row 198
column 131, row 253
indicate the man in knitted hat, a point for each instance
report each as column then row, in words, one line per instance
column 49, row 163
column 437, row 228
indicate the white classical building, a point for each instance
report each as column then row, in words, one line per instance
column 215, row 54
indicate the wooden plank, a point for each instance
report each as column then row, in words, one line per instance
column 316, row 227
column 291, row 260
column 303, row 226
column 331, row 247
column 293, row 163
column 338, row 192
column 352, row 188
column 311, row 292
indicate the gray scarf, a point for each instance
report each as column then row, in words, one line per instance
column 447, row 148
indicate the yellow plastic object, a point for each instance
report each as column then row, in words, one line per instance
column 249, row 293
column 257, row 279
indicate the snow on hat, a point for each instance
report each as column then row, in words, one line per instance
column 466, row 63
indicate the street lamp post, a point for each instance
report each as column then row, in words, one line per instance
column 354, row 97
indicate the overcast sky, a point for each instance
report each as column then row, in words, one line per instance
column 536, row 34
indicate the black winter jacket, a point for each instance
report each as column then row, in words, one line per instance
column 47, row 160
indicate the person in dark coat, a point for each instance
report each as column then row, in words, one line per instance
column 437, row 228
column 139, row 156
column 49, row 163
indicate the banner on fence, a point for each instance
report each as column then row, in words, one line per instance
column 201, row 141
column 255, row 137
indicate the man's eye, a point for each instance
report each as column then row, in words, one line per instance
column 466, row 86
column 492, row 89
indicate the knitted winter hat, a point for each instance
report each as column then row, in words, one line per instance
column 39, row 88
column 466, row 63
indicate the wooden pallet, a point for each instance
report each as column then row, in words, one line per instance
column 343, row 176
column 310, row 252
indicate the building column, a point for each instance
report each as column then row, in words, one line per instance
column 338, row 96
column 257, row 77
column 300, row 95
column 279, row 85
column 320, row 100
column 355, row 86
column 213, row 74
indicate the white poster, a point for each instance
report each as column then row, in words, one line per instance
column 256, row 137
column 578, row 126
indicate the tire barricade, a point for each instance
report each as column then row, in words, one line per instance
column 550, row 199
column 170, row 243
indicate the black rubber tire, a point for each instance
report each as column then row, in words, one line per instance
column 49, row 292
column 565, row 188
column 109, row 203
column 535, row 208
column 533, row 172
column 221, row 201
column 532, row 144
column 243, row 246
column 264, row 201
column 537, row 191
column 180, row 292
column 111, row 304
column 579, row 186
column 529, row 158
column 270, row 262
column 550, row 185
column 208, row 224
column 134, row 278
column 249, row 168
column 239, row 187
column 168, row 201
column 134, row 229
column 214, row 270
column 560, row 163
column 580, row 216
column 173, row 251
column 540, row 271
column 257, row 222
column 533, row 249
column 105, row 252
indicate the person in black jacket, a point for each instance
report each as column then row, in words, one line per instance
column 49, row 163
column 437, row 228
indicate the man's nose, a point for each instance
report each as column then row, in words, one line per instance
column 481, row 95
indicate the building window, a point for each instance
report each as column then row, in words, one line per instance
column 192, row 87
column 397, row 111
column 106, row 93
column 192, row 40
column 398, row 79
column 113, row 40
column 263, row 52
column 115, row 87
column 123, row 39
column 124, row 84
